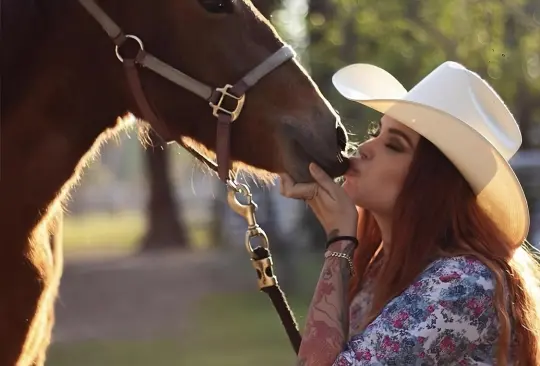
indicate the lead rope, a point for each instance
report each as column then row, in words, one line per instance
column 261, row 259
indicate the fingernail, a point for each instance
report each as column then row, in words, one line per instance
column 314, row 168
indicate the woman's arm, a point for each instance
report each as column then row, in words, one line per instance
column 327, row 325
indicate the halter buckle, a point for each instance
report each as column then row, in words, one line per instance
column 216, row 108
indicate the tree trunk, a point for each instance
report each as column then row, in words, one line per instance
column 219, row 207
column 320, row 72
column 166, row 229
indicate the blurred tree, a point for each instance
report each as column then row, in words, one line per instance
column 219, row 205
column 410, row 38
column 166, row 227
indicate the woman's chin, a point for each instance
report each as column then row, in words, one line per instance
column 348, row 187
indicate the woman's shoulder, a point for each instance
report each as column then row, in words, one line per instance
column 464, row 274
column 461, row 285
column 456, row 294
column 446, row 316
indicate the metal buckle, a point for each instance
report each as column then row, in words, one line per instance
column 239, row 103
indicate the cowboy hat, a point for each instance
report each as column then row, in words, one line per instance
column 464, row 117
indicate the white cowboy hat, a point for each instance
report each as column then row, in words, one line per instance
column 465, row 118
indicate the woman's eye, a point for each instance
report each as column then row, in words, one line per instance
column 217, row 6
column 395, row 146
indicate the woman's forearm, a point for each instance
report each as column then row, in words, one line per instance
column 327, row 325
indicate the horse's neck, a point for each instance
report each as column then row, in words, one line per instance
column 58, row 103
column 38, row 161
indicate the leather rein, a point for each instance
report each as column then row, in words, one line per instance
column 260, row 256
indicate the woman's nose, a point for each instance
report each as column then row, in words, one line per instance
column 362, row 152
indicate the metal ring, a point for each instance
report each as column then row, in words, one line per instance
column 258, row 233
column 137, row 39
column 239, row 188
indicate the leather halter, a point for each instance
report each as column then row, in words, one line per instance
column 214, row 96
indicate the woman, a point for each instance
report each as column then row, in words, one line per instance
column 424, row 263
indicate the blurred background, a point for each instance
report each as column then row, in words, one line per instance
column 156, row 272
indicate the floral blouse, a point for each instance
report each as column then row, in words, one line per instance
column 446, row 317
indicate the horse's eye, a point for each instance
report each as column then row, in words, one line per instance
column 217, row 6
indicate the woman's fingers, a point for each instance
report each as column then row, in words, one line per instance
column 290, row 189
column 323, row 179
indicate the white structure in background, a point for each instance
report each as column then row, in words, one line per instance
column 526, row 163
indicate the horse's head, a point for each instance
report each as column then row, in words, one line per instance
column 285, row 122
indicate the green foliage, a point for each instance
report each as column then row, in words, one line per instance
column 229, row 328
column 498, row 39
column 236, row 329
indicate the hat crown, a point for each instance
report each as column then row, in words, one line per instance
column 461, row 93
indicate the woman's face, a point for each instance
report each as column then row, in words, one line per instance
column 379, row 167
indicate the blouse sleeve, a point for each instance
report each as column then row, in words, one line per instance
column 445, row 317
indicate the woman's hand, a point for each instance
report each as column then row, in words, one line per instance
column 333, row 208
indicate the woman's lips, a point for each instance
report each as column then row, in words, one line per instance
column 352, row 171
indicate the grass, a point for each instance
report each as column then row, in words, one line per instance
column 233, row 329
column 240, row 330
column 228, row 329
column 118, row 232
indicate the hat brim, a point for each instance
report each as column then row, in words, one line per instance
column 491, row 177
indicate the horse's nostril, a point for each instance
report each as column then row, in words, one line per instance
column 341, row 137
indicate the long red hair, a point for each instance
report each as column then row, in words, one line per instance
column 436, row 215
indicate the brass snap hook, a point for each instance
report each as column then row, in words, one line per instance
column 248, row 212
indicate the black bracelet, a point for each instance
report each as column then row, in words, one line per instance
column 338, row 238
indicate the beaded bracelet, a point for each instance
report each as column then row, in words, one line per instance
column 338, row 238
column 341, row 255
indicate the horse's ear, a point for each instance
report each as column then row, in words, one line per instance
column 217, row 6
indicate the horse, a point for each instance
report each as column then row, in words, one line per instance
column 73, row 69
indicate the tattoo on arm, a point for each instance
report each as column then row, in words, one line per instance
column 327, row 325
